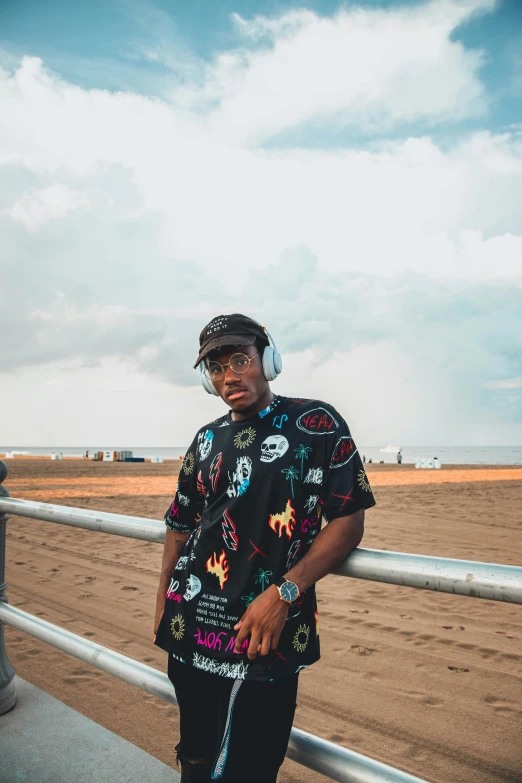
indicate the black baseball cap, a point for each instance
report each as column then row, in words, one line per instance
column 234, row 329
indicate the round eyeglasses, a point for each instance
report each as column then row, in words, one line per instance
column 239, row 363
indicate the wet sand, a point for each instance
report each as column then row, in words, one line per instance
column 430, row 683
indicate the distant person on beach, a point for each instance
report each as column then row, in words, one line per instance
column 399, row 457
column 236, row 607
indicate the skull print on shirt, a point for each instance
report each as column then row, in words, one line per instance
column 273, row 447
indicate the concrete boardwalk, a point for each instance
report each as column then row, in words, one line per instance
column 43, row 740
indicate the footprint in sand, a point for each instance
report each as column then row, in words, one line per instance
column 88, row 633
column 128, row 587
column 407, row 617
column 81, row 675
column 457, row 669
column 90, row 578
column 431, row 701
column 502, row 706
column 357, row 649
column 416, row 753
column 454, row 627
column 18, row 639
column 19, row 562
column 359, row 611
column 85, row 595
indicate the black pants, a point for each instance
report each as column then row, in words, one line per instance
column 239, row 729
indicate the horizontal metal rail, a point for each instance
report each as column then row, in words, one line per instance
column 338, row 763
column 493, row 581
column 121, row 666
column 100, row 521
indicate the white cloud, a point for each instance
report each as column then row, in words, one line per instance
column 508, row 383
column 127, row 222
column 112, row 404
column 367, row 68
column 394, row 206
column 37, row 207
column 407, row 356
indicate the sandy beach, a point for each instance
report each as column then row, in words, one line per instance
column 430, row 683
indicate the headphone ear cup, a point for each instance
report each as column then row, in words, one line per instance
column 272, row 363
column 207, row 383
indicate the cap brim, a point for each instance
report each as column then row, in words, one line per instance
column 227, row 339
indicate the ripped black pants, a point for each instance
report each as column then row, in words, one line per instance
column 239, row 730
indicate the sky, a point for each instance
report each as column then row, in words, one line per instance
column 348, row 174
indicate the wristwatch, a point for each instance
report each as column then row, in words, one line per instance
column 288, row 591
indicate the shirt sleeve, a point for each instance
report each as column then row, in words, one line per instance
column 184, row 512
column 346, row 488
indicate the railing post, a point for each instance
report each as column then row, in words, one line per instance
column 7, row 688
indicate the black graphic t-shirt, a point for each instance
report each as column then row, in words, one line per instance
column 253, row 495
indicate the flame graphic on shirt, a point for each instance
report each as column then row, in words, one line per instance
column 283, row 521
column 219, row 567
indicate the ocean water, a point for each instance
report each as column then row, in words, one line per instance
column 449, row 455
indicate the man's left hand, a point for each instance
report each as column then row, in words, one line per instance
column 263, row 621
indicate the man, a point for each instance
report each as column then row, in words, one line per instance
column 236, row 607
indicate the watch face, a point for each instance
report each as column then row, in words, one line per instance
column 289, row 591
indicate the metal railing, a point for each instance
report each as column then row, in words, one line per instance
column 493, row 581
column 463, row 577
column 7, row 689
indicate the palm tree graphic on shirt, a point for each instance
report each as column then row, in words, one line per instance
column 302, row 452
column 262, row 578
column 291, row 474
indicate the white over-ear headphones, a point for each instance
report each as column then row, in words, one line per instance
column 271, row 359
